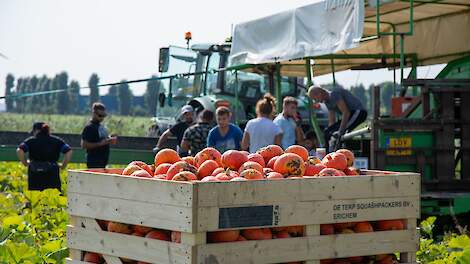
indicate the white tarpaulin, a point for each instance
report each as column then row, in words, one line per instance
column 324, row 27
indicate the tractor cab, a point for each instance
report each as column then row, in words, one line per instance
column 197, row 76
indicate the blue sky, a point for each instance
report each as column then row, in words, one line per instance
column 120, row 39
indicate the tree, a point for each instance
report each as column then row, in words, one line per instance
column 61, row 83
column 113, row 90
column 27, row 100
column 329, row 86
column 9, row 84
column 125, row 98
column 151, row 95
column 94, row 91
column 113, row 99
column 386, row 94
column 42, row 104
column 20, row 89
column 50, row 98
column 33, row 101
column 360, row 92
column 74, row 94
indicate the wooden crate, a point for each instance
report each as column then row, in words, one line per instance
column 197, row 208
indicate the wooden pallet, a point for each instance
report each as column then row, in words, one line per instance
column 197, row 208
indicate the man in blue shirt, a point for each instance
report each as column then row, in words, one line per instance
column 225, row 136
column 291, row 132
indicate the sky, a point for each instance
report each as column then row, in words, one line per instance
column 120, row 39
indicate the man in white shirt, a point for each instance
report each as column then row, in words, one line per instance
column 288, row 122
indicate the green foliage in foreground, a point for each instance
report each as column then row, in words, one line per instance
column 74, row 124
column 33, row 225
column 451, row 248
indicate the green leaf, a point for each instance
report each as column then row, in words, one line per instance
column 14, row 220
column 20, row 253
column 58, row 256
column 51, row 246
column 464, row 258
column 460, row 242
column 428, row 225
column 4, row 235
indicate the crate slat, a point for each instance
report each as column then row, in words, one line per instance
column 308, row 248
column 131, row 212
column 130, row 188
column 322, row 212
column 307, row 189
column 127, row 246
column 74, row 261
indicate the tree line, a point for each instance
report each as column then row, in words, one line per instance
column 67, row 102
column 364, row 94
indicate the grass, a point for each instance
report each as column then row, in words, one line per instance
column 73, row 124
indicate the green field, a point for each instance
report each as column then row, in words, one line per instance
column 73, row 124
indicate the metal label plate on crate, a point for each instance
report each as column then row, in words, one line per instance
column 402, row 146
column 248, row 216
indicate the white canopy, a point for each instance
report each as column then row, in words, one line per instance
column 325, row 27
column 441, row 34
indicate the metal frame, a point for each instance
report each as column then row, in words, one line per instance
column 441, row 121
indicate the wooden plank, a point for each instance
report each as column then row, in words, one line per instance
column 445, row 169
column 91, row 224
column 130, row 188
column 74, row 253
column 312, row 230
column 317, row 212
column 193, row 239
column 465, row 135
column 440, row 82
column 409, row 124
column 425, row 101
column 131, row 212
column 222, row 194
column 376, row 102
column 308, row 248
column 410, row 256
column 74, row 261
column 374, row 145
column 450, row 186
column 127, row 246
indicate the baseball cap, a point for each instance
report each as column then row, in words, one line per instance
column 37, row 126
column 186, row 109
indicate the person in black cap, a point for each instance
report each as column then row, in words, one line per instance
column 95, row 139
column 44, row 151
column 185, row 120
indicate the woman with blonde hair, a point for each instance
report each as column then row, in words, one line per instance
column 262, row 131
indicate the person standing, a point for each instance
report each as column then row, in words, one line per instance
column 289, row 123
column 195, row 137
column 261, row 131
column 95, row 138
column 342, row 102
column 185, row 120
column 44, row 151
column 225, row 136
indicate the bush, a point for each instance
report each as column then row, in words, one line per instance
column 449, row 248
